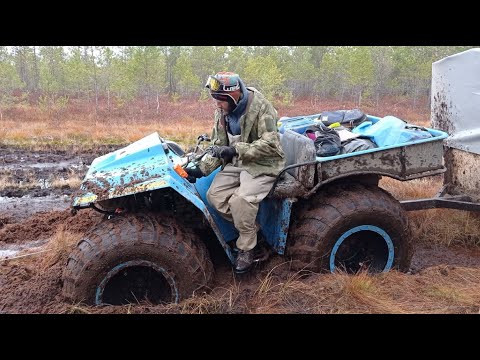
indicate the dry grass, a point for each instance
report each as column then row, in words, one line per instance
column 181, row 121
column 446, row 227
column 77, row 309
column 73, row 182
column 223, row 301
column 414, row 189
column 59, row 246
column 36, row 135
column 435, row 226
column 437, row 290
column 79, row 123
column 11, row 179
column 6, row 181
column 30, row 181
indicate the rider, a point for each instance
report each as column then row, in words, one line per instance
column 247, row 140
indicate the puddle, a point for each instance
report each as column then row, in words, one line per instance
column 5, row 200
column 12, row 250
column 75, row 164
column 23, row 207
column 7, row 253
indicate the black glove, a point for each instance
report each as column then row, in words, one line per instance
column 194, row 174
column 225, row 152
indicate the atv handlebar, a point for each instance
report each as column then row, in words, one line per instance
column 203, row 137
column 197, row 154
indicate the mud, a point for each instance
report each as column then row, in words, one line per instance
column 33, row 284
column 442, row 113
column 426, row 256
column 15, row 209
column 39, row 293
column 43, row 225
column 462, row 175
column 31, row 211
column 31, row 263
column 31, row 207
column 34, row 173
column 18, row 157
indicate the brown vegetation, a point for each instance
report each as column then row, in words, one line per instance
column 435, row 226
column 78, row 124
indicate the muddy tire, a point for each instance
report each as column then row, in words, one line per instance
column 350, row 227
column 136, row 257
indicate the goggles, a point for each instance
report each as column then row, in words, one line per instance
column 216, row 85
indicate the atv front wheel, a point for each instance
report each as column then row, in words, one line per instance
column 136, row 257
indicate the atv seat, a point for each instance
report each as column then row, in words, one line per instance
column 296, row 181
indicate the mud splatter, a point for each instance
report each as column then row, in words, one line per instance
column 442, row 113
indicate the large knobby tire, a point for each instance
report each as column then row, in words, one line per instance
column 351, row 227
column 136, row 257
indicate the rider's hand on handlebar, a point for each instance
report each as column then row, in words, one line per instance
column 194, row 174
column 225, row 152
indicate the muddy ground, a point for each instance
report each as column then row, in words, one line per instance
column 32, row 212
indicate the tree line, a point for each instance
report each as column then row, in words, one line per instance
column 119, row 74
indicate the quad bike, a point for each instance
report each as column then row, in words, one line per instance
column 323, row 214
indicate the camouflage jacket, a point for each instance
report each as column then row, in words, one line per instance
column 259, row 147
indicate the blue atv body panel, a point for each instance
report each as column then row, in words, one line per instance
column 146, row 165
column 139, row 167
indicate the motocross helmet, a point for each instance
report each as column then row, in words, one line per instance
column 224, row 86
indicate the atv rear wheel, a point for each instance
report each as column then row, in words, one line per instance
column 136, row 257
column 351, row 227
